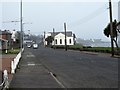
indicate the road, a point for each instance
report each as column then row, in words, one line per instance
column 49, row 68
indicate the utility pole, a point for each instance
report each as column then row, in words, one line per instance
column 65, row 37
column 111, row 28
column 44, row 40
column 21, row 26
column 54, row 38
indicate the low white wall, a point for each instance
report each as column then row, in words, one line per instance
column 15, row 62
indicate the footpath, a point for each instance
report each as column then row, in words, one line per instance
column 31, row 74
column 5, row 64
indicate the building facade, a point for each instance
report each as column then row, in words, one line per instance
column 59, row 38
column 5, row 40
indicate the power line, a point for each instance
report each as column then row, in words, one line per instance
column 90, row 17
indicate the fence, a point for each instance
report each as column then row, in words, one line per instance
column 5, row 83
column 15, row 62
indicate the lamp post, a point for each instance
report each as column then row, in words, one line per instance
column 21, row 26
column 53, row 38
column 65, row 37
column 111, row 28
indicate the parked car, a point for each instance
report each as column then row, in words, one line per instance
column 35, row 45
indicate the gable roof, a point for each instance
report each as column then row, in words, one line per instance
column 68, row 34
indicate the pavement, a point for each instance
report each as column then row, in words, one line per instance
column 102, row 54
column 31, row 75
column 5, row 64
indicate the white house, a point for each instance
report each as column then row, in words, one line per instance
column 59, row 38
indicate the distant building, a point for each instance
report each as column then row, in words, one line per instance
column 27, row 39
column 59, row 38
column 14, row 35
column 5, row 40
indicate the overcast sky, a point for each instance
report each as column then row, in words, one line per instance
column 86, row 19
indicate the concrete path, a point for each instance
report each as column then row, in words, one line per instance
column 32, row 75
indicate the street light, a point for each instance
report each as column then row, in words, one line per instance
column 21, row 26
column 111, row 28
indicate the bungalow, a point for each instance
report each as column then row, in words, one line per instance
column 59, row 38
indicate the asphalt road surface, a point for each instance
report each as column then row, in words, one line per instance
column 49, row 68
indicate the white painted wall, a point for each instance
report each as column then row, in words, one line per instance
column 68, row 41
column 58, row 37
column 61, row 37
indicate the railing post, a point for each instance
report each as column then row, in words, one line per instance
column 6, row 79
column 5, row 83
column 12, row 67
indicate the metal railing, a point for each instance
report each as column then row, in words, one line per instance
column 5, row 83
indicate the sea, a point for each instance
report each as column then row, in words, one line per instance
column 100, row 44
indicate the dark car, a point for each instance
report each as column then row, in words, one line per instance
column 29, row 45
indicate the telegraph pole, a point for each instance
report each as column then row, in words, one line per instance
column 54, row 38
column 65, row 37
column 111, row 28
column 21, row 26
column 44, row 40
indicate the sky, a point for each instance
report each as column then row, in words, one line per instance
column 87, row 19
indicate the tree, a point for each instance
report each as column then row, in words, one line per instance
column 49, row 40
column 107, row 32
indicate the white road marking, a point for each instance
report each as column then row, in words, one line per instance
column 31, row 64
column 26, row 65
column 30, row 56
column 57, row 80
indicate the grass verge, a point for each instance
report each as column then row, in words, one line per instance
column 89, row 48
column 14, row 51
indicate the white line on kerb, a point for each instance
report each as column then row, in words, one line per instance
column 57, row 80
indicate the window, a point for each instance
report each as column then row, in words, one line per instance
column 60, row 41
column 70, row 41
column 55, row 41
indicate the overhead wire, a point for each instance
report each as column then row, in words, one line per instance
column 90, row 16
